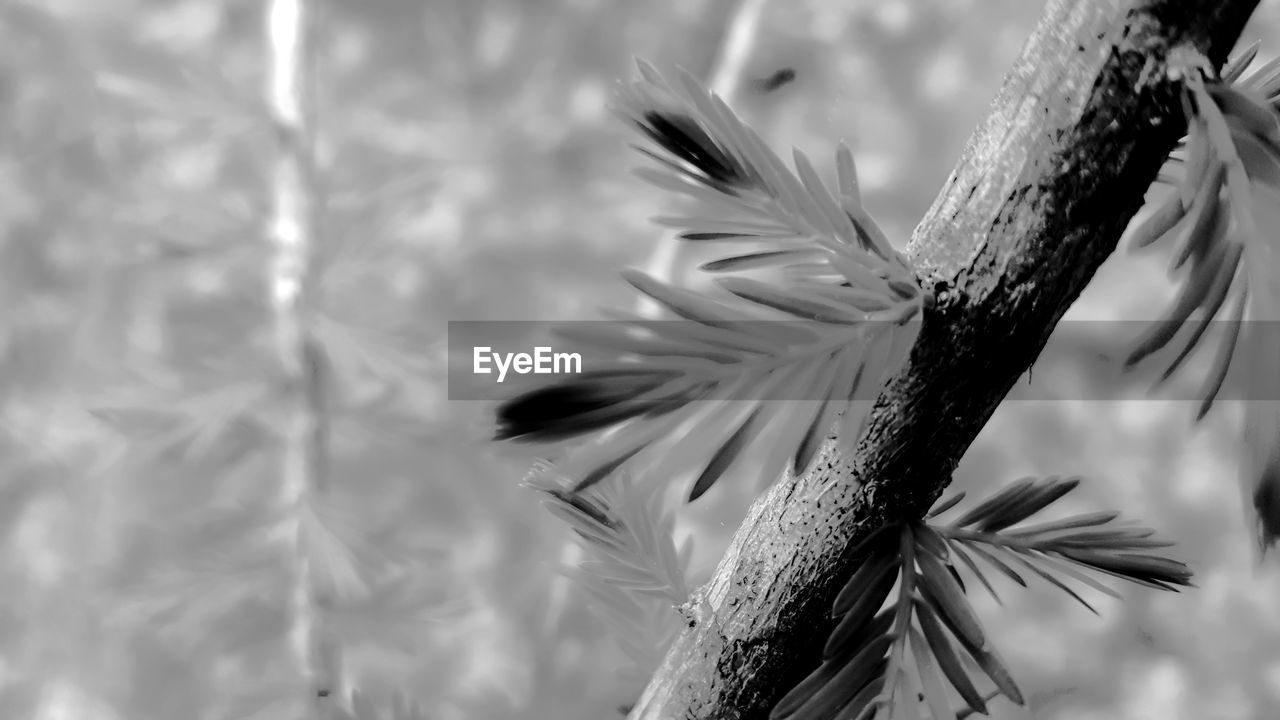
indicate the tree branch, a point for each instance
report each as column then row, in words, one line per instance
column 1039, row 199
column 724, row 78
column 293, row 236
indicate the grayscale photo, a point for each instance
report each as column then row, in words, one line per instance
column 665, row 360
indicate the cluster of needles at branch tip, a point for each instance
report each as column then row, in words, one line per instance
column 906, row 633
column 823, row 311
column 1217, row 210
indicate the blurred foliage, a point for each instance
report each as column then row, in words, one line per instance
column 472, row 171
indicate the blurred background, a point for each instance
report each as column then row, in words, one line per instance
column 472, row 171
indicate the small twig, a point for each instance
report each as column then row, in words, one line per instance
column 725, row 79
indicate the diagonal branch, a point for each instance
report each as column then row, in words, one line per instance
column 1039, row 198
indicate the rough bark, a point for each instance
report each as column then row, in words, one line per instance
column 1038, row 200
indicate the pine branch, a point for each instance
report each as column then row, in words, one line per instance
column 783, row 363
column 927, row 642
column 293, row 235
column 1226, row 177
column 1038, row 201
column 633, row 572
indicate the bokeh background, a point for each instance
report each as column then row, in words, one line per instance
column 472, row 171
